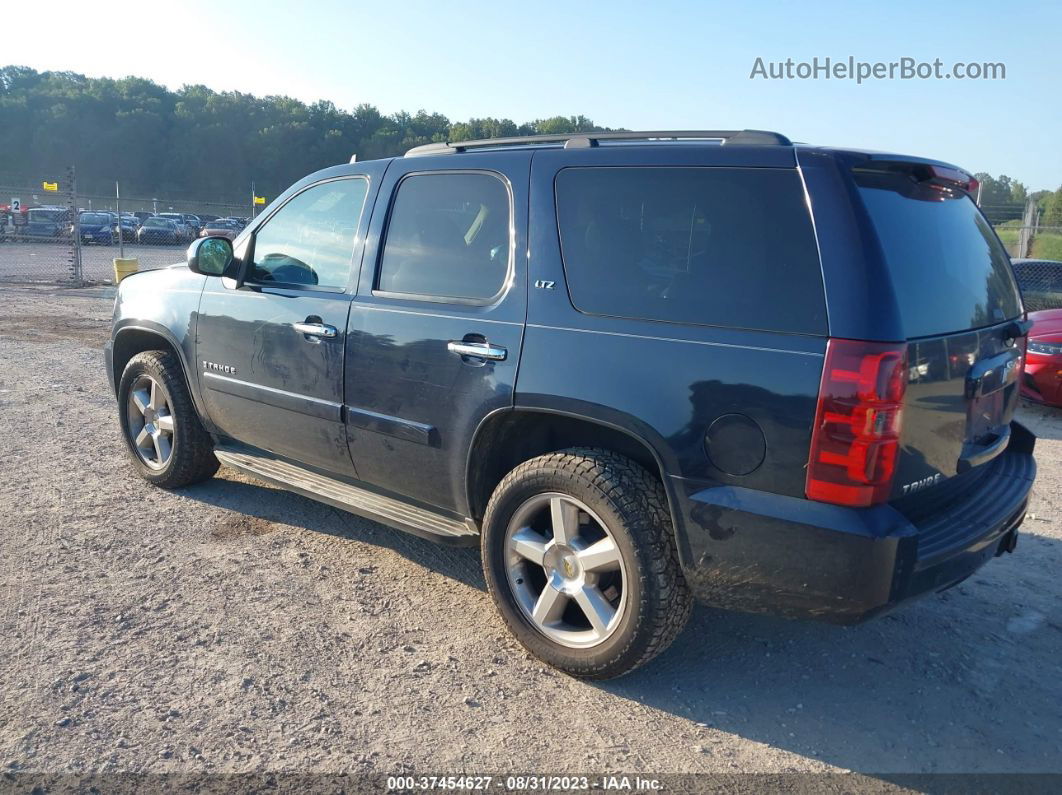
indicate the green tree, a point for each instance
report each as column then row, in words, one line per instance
column 1002, row 198
column 199, row 143
column 1052, row 210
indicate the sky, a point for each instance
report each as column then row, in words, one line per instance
column 648, row 65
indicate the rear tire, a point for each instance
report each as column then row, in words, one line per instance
column 161, row 428
column 606, row 593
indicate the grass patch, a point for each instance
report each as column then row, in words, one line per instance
column 1009, row 238
column 1047, row 246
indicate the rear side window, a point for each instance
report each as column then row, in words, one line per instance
column 713, row 246
column 949, row 270
column 447, row 237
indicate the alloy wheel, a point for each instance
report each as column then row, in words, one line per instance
column 151, row 421
column 565, row 570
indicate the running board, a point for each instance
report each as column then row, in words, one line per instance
column 362, row 502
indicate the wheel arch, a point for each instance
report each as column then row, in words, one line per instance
column 134, row 338
column 507, row 437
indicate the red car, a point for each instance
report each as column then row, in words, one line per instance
column 1043, row 363
column 223, row 227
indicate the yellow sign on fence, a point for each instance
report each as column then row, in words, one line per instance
column 259, row 199
column 50, row 186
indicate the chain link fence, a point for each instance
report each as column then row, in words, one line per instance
column 1024, row 241
column 1040, row 281
column 63, row 236
column 1036, row 250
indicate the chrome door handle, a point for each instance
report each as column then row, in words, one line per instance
column 478, row 350
column 315, row 329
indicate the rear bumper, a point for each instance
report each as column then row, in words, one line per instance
column 750, row 550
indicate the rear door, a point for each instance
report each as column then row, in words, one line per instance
column 436, row 329
column 959, row 306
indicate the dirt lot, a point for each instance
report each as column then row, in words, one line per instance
column 235, row 627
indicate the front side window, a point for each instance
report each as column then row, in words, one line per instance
column 310, row 240
column 704, row 245
column 448, row 236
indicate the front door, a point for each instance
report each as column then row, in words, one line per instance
column 270, row 352
column 435, row 332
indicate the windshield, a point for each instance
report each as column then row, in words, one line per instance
column 95, row 219
column 45, row 215
column 949, row 270
column 156, row 222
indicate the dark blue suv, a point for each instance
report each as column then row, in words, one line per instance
column 631, row 366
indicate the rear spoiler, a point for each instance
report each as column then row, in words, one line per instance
column 931, row 173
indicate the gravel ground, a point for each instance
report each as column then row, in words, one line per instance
column 234, row 627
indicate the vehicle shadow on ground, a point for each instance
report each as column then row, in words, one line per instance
column 928, row 688
column 880, row 697
column 273, row 505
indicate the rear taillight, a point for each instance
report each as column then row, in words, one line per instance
column 856, row 438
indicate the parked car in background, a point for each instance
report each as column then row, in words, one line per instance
column 628, row 367
column 47, row 223
column 129, row 225
column 142, row 216
column 1043, row 359
column 184, row 232
column 194, row 223
column 223, row 227
column 158, row 230
column 98, row 227
column 1040, row 281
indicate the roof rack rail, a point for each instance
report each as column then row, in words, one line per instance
column 588, row 139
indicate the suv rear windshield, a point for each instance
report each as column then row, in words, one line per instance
column 702, row 245
column 42, row 216
column 949, row 270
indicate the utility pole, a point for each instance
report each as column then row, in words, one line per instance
column 75, row 230
column 1025, row 235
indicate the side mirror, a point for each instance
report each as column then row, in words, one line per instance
column 210, row 256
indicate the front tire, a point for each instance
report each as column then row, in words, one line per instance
column 161, row 428
column 579, row 557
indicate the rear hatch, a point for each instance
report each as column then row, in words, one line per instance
column 961, row 313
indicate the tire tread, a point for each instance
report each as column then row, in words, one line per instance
column 639, row 498
column 194, row 459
